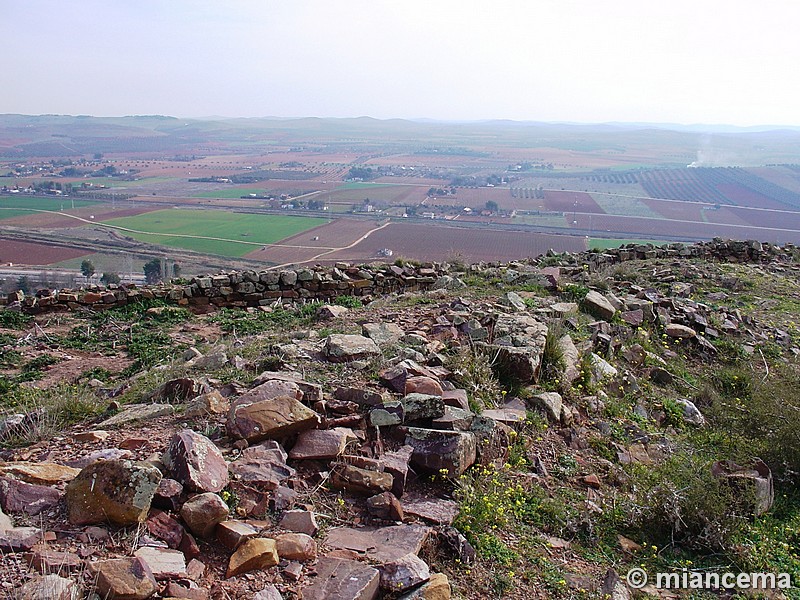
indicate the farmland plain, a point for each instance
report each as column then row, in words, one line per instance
column 266, row 193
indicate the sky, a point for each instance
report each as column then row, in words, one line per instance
column 678, row 61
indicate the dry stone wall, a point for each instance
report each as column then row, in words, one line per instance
column 258, row 288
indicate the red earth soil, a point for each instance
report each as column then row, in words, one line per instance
column 571, row 201
column 765, row 218
column 29, row 253
column 744, row 197
column 56, row 220
column 625, row 226
column 439, row 242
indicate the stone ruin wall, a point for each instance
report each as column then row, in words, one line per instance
column 243, row 289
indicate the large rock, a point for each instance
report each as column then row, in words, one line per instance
column 361, row 481
column 322, row 444
column 116, row 491
column 196, row 462
column 312, row 392
column 383, row 334
column 179, row 390
column 493, row 440
column 379, row 544
column 347, row 348
column 263, row 465
column 571, row 357
column 137, row 412
column 20, row 497
column 300, row 521
column 124, row 579
column 550, row 403
column 39, row 473
column 208, row 405
column 404, row 573
column 274, row 418
column 447, row 452
column 753, row 481
column 341, row 579
column 163, row 563
column 422, row 406
column 256, row 553
column 674, row 330
column 598, row 306
column 203, row 513
column 296, row 546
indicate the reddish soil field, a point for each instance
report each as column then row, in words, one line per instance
column 624, row 226
column 744, row 197
column 771, row 219
column 679, row 211
column 29, row 253
column 571, row 201
column 336, row 234
column 59, row 221
column 439, row 242
column 725, row 215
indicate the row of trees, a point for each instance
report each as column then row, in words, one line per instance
column 155, row 270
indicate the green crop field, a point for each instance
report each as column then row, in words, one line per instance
column 234, row 234
column 11, row 206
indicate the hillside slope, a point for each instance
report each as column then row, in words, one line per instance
column 524, row 430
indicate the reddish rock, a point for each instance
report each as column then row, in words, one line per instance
column 20, row 539
column 20, row 497
column 274, row 418
column 124, row 579
column 456, row 398
column 179, row 390
column 347, row 348
column 396, row 464
column 168, row 494
column 116, row 491
column 379, row 544
column 435, row 510
column 300, row 521
column 47, row 561
column 385, row 506
column 263, row 465
column 447, row 452
column 196, row 462
column 404, row 573
column 423, row 385
column 361, row 481
column 322, row 444
column 164, row 563
column 203, row 512
column 98, row 435
column 233, row 534
column 165, row 527
column 176, row 590
column 343, row 579
column 296, row 546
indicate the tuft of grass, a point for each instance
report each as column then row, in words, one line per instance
column 473, row 372
column 12, row 319
column 47, row 412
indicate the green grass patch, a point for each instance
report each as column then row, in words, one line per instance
column 230, row 193
column 20, row 206
column 606, row 243
column 235, row 234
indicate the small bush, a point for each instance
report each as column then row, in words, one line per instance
column 348, row 301
column 11, row 319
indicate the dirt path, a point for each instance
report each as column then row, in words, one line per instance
column 332, row 250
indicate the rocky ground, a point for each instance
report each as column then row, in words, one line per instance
column 508, row 435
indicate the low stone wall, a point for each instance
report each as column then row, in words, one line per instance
column 259, row 288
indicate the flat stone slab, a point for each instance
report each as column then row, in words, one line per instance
column 164, row 563
column 341, row 579
column 39, row 473
column 138, row 412
column 382, row 544
column 439, row 511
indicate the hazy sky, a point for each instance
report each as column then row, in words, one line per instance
column 682, row 61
